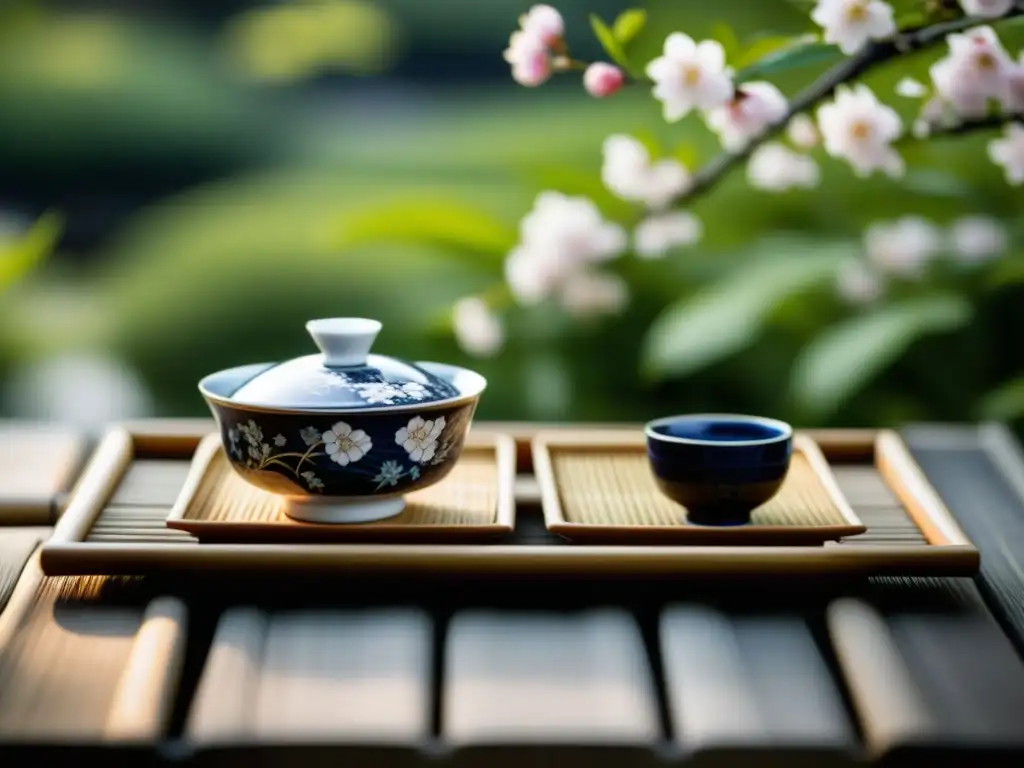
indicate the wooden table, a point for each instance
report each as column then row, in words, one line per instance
column 456, row 672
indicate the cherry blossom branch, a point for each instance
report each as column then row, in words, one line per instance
column 979, row 124
column 872, row 55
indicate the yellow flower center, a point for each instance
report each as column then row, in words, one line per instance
column 860, row 130
column 691, row 74
column 857, row 11
column 985, row 60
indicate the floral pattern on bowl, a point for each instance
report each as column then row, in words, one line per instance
column 347, row 455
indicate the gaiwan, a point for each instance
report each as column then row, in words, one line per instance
column 343, row 435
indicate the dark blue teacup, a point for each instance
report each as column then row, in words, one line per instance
column 721, row 467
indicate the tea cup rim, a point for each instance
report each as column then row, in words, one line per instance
column 785, row 430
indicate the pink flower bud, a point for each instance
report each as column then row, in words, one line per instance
column 603, row 79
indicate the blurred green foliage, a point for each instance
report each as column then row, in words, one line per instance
column 398, row 220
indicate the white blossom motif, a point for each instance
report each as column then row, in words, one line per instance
column 802, row 132
column 314, row 482
column 909, row 88
column 903, row 247
column 560, row 237
column 280, row 440
column 976, row 239
column 1008, row 152
column 310, row 436
column 973, row 73
column 593, row 293
column 775, row 167
column 419, row 437
column 690, row 75
column 753, row 108
column 858, row 284
column 859, row 129
column 255, row 447
column 602, row 79
column 477, row 329
column 386, row 393
column 986, row 9
column 345, row 445
column 657, row 235
column 850, row 24
column 627, row 172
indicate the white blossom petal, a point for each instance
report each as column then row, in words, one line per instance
column 1008, row 152
column 657, row 235
column 977, row 239
column 477, row 329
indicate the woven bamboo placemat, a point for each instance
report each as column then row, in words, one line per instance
column 475, row 501
column 602, row 488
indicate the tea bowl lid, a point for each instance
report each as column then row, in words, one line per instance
column 344, row 376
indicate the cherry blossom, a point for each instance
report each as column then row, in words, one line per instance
column 974, row 72
column 419, row 437
column 530, row 59
column 560, row 237
column 602, row 79
column 592, row 292
column 1015, row 86
column 986, row 9
column 690, row 75
column 803, row 132
column 657, row 235
column 857, row 283
column 775, row 167
column 544, row 23
column 850, row 24
column 858, row 128
column 1008, row 152
column 976, row 239
column 903, row 247
column 753, row 108
column 627, row 171
column 909, row 88
column 477, row 329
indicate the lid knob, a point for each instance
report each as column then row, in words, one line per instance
column 345, row 341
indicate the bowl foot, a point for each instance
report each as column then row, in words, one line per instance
column 719, row 517
column 340, row 512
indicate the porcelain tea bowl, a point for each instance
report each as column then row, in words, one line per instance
column 345, row 434
column 721, row 467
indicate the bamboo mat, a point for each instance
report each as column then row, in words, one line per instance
column 617, row 489
column 16, row 547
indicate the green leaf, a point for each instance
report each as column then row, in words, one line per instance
column 761, row 48
column 801, row 53
column 726, row 317
column 449, row 223
column 629, row 24
column 725, row 34
column 608, row 41
column 1009, row 271
column 18, row 257
column 1003, row 403
column 845, row 357
column 936, row 183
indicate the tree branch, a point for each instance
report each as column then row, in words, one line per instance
column 872, row 55
column 979, row 124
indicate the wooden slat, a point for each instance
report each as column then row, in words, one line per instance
column 891, row 709
column 345, row 676
column 151, row 483
column 750, row 683
column 71, row 669
column 222, row 710
column 38, row 463
column 16, row 547
column 547, row 678
column 980, row 475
